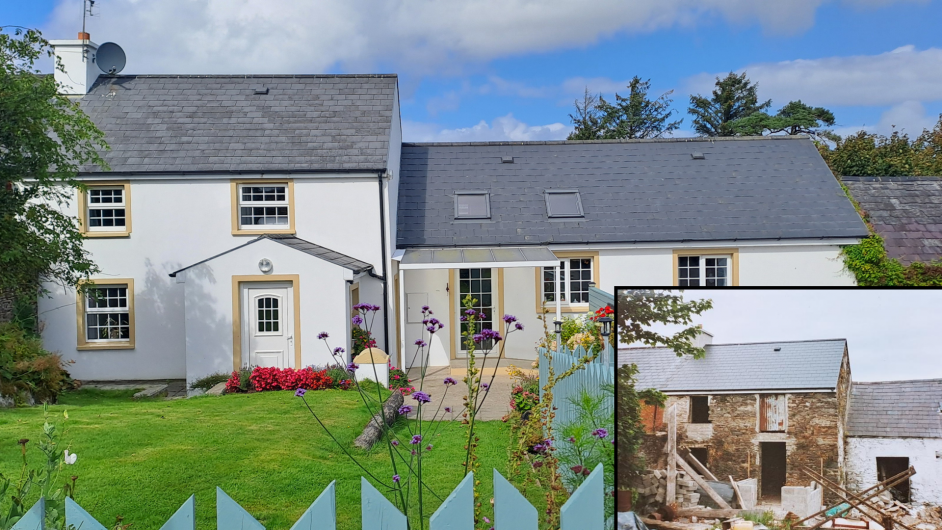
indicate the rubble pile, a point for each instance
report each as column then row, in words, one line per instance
column 652, row 490
column 929, row 517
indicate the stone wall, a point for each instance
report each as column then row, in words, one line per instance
column 812, row 437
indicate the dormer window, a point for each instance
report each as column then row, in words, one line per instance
column 563, row 203
column 472, row 205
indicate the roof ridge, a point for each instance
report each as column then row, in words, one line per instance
column 616, row 141
column 875, row 383
column 250, row 76
column 925, row 178
column 740, row 343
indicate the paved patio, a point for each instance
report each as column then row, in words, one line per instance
column 497, row 403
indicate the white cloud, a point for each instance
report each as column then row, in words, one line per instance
column 891, row 78
column 909, row 117
column 418, row 36
column 504, row 128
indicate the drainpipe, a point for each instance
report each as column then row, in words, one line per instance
column 382, row 236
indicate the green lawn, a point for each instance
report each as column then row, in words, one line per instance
column 142, row 459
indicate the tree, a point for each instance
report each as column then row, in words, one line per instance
column 734, row 98
column 632, row 117
column 873, row 155
column 587, row 119
column 638, row 310
column 794, row 118
column 44, row 139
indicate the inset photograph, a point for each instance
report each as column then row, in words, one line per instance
column 753, row 409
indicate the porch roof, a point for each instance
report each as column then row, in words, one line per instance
column 456, row 258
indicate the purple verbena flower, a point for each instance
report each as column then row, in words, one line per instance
column 424, row 308
column 338, row 350
column 395, row 442
column 431, row 329
column 518, row 326
column 510, row 319
column 396, row 479
column 352, row 367
column 572, row 439
column 421, row 397
column 416, row 439
column 357, row 320
column 600, row 433
column 477, row 338
column 470, row 312
column 491, row 334
column 420, row 342
column 322, row 335
column 405, row 409
column 485, row 386
column 299, row 392
column 450, row 381
column 447, row 409
column 428, row 447
column 464, row 318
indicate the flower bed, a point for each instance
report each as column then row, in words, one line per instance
column 399, row 380
column 262, row 379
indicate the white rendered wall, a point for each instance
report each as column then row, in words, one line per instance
column 177, row 222
column 759, row 265
column 923, row 453
column 323, row 296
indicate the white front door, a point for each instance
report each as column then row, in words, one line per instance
column 268, row 324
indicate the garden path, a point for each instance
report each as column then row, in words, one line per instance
column 495, row 407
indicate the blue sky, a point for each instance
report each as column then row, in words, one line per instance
column 510, row 69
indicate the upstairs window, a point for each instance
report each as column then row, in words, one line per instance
column 106, row 210
column 263, row 207
column 699, row 409
column 563, row 203
column 472, row 205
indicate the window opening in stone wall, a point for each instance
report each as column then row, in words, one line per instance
column 702, row 454
column 700, row 409
column 773, row 412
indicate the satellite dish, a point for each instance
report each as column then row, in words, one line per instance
column 110, row 58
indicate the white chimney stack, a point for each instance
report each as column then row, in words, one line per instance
column 704, row 338
column 78, row 59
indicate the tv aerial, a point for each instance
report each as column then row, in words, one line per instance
column 110, row 58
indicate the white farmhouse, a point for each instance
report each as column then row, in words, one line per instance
column 894, row 425
column 244, row 214
column 241, row 216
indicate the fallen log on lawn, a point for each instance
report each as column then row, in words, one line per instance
column 374, row 428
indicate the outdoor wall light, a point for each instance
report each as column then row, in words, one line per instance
column 559, row 326
column 606, row 323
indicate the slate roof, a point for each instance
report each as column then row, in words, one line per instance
column 631, row 191
column 896, row 409
column 800, row 365
column 905, row 211
column 182, row 123
column 300, row 245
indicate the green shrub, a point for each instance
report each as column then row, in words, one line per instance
column 211, row 380
column 25, row 367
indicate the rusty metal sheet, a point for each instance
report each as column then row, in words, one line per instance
column 773, row 411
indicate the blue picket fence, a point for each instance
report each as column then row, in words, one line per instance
column 583, row 510
column 590, row 378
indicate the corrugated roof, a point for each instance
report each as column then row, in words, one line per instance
column 301, row 245
column 181, row 123
column 631, row 191
column 799, row 365
column 905, row 211
column 896, row 409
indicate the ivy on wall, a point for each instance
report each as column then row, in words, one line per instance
column 871, row 266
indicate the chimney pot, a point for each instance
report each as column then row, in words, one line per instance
column 84, row 36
